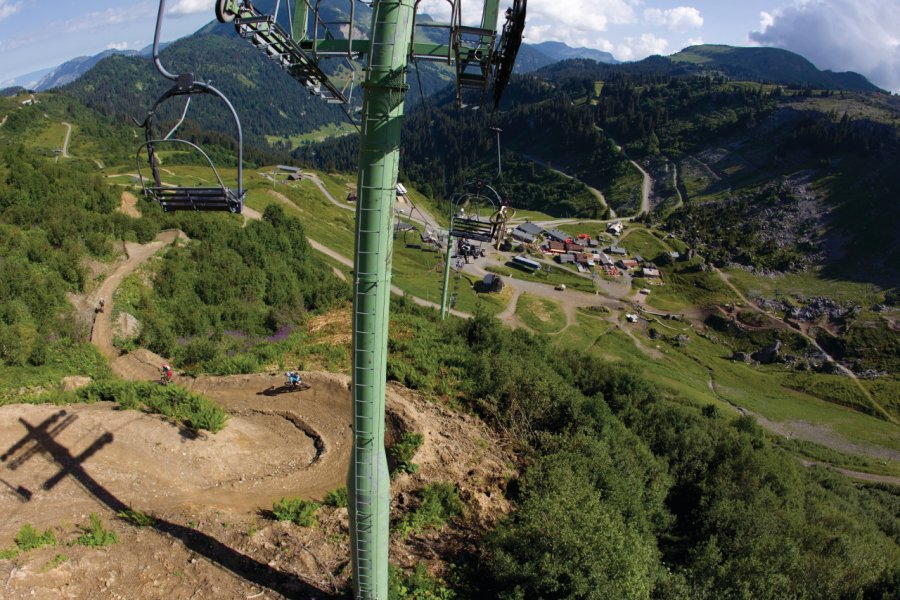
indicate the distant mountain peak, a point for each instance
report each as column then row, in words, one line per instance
column 532, row 57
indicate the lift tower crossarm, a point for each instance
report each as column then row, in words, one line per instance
column 285, row 50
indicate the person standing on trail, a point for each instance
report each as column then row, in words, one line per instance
column 166, row 374
column 100, row 305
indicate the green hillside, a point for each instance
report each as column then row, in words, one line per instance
column 768, row 64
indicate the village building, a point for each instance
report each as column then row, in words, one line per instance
column 565, row 259
column 627, row 263
column 531, row 228
column 526, row 238
column 618, row 250
column 615, row 228
column 558, row 236
column 649, row 273
column 556, row 247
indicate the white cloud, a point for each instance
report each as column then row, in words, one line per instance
column 642, row 47
column 575, row 22
column 101, row 19
column 189, row 7
column 8, row 8
column 697, row 41
column 117, row 46
column 680, row 18
column 857, row 35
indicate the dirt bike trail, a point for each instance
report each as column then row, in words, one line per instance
column 137, row 254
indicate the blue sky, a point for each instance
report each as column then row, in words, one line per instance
column 860, row 35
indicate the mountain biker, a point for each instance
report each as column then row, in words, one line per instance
column 293, row 379
column 166, row 373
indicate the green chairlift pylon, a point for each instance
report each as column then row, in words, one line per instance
column 480, row 60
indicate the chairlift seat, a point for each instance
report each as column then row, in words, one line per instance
column 197, row 198
column 472, row 229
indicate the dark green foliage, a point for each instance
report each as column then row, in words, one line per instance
column 404, row 450
column 297, row 510
column 417, row 585
column 196, row 412
column 248, row 283
column 626, row 492
column 438, row 503
column 96, row 535
column 337, row 498
column 52, row 216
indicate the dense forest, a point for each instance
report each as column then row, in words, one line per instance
column 628, row 492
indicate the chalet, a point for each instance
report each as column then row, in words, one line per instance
column 650, row 273
column 556, row 247
column 523, row 236
column 565, row 259
column 525, row 263
column 574, row 246
column 627, row 263
column 584, row 259
column 615, row 228
column 592, row 243
column 617, row 250
column 531, row 228
column 289, row 169
column 295, row 176
column 401, row 190
column 605, row 259
column 639, row 258
column 558, row 236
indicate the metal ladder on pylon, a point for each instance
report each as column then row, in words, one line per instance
column 366, row 477
column 277, row 44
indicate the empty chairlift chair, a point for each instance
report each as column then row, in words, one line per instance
column 208, row 198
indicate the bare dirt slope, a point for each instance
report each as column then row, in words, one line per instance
column 211, row 537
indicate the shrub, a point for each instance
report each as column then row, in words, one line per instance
column 137, row 518
column 28, row 538
column 439, row 502
column 297, row 510
column 418, row 585
column 404, row 450
column 338, row 498
column 96, row 535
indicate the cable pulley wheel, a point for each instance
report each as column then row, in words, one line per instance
column 223, row 15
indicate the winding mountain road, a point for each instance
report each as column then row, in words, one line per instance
column 65, row 146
